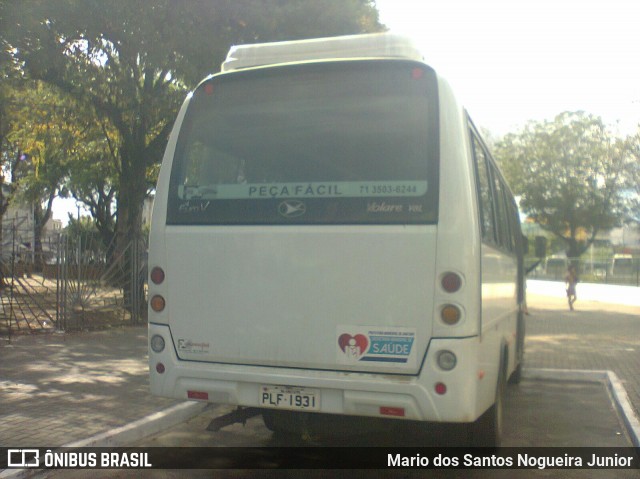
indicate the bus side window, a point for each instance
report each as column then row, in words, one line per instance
column 513, row 223
column 502, row 218
column 485, row 196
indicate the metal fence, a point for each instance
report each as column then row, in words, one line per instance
column 82, row 284
column 623, row 269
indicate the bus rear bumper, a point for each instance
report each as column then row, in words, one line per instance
column 357, row 394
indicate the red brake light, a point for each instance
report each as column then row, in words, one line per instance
column 451, row 282
column 392, row 411
column 441, row 388
column 417, row 73
column 203, row 396
column 157, row 275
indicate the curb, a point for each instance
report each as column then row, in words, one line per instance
column 141, row 428
column 615, row 388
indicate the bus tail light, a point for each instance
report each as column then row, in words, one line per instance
column 201, row 395
column 446, row 360
column 157, row 303
column 450, row 314
column 441, row 388
column 392, row 411
column 451, row 282
column 157, row 275
column 160, row 368
column 157, row 343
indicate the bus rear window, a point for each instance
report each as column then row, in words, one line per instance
column 319, row 143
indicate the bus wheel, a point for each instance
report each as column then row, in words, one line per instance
column 287, row 423
column 278, row 422
column 516, row 375
column 487, row 430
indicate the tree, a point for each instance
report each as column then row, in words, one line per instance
column 10, row 153
column 133, row 60
column 47, row 132
column 93, row 179
column 570, row 173
column 633, row 177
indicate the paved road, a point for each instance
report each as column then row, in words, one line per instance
column 596, row 336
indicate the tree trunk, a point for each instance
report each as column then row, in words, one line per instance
column 133, row 188
column 572, row 250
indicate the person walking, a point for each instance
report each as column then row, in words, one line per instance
column 570, row 280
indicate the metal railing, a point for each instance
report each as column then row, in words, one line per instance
column 623, row 269
column 81, row 285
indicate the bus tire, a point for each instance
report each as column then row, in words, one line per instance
column 287, row 423
column 516, row 375
column 486, row 431
column 277, row 422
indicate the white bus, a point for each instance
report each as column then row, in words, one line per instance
column 331, row 236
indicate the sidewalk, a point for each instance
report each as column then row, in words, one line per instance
column 59, row 388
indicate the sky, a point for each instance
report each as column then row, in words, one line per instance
column 511, row 61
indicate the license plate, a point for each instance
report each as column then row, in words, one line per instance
column 290, row 397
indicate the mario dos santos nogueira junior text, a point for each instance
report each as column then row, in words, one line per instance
column 518, row 460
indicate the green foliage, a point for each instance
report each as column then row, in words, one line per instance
column 632, row 146
column 83, row 236
column 570, row 173
column 41, row 135
column 40, row 140
column 82, row 226
column 93, row 176
column 131, row 62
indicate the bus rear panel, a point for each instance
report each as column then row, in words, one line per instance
column 315, row 247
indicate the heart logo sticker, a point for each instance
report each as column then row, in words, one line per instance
column 353, row 346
